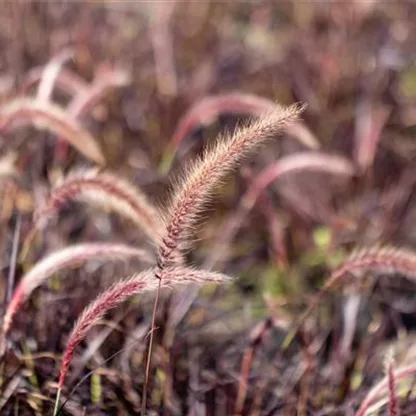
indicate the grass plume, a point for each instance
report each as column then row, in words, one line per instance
column 210, row 107
column 197, row 187
column 48, row 116
column 103, row 190
column 121, row 291
column 42, row 113
column 381, row 260
column 71, row 256
column 208, row 172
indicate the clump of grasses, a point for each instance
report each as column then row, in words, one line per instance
column 188, row 201
column 316, row 76
column 172, row 231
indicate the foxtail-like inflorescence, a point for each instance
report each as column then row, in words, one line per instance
column 378, row 260
column 382, row 260
column 209, row 108
column 121, row 291
column 205, row 175
column 302, row 161
column 103, row 190
column 71, row 256
column 42, row 113
column 48, row 116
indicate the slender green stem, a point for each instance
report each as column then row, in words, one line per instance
column 58, row 397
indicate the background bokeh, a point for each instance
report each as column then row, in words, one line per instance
column 353, row 64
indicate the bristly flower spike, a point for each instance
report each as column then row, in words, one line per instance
column 71, row 256
column 121, row 291
column 207, row 173
column 103, row 190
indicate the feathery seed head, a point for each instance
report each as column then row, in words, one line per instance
column 48, row 116
column 60, row 259
column 211, row 107
column 121, row 291
column 207, row 173
column 104, row 190
column 386, row 259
